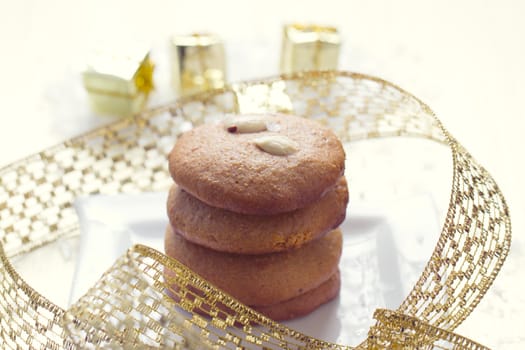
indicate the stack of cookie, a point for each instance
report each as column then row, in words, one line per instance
column 255, row 208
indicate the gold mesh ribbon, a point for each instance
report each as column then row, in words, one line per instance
column 135, row 303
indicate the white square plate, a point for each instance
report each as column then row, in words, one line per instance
column 386, row 246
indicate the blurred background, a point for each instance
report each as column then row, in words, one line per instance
column 463, row 58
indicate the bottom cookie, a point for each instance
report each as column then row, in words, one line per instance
column 304, row 303
column 298, row 306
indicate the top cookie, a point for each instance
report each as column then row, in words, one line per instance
column 258, row 164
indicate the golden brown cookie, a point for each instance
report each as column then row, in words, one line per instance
column 305, row 303
column 296, row 307
column 261, row 279
column 287, row 166
column 227, row 231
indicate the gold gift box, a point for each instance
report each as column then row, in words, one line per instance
column 198, row 63
column 309, row 47
column 119, row 83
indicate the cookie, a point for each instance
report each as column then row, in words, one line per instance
column 298, row 306
column 261, row 279
column 227, row 231
column 279, row 164
column 305, row 303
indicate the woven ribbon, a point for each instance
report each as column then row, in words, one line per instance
column 147, row 300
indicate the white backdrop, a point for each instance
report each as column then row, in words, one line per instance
column 464, row 58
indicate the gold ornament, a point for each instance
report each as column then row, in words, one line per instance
column 198, row 63
column 309, row 47
column 119, row 83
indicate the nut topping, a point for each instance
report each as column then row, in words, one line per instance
column 245, row 124
column 277, row 145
